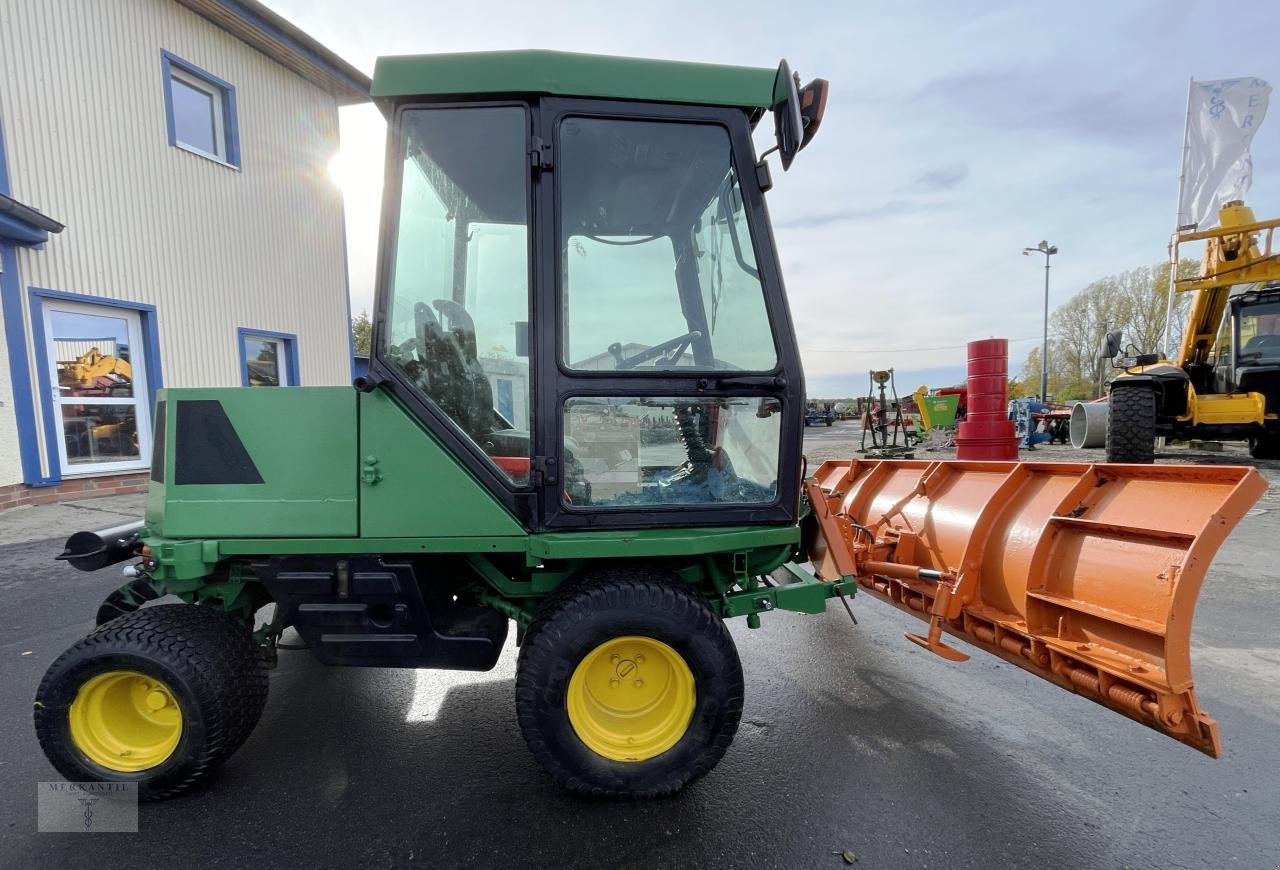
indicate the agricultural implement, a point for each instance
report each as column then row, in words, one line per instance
column 584, row 416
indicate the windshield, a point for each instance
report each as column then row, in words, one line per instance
column 659, row 270
column 1260, row 333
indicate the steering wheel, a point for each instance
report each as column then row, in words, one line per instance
column 676, row 346
column 1261, row 346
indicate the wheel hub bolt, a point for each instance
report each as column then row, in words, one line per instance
column 639, row 684
column 613, row 684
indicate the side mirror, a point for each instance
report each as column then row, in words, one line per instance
column 1110, row 347
column 787, row 118
column 813, row 105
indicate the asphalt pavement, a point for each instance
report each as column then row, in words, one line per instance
column 852, row 739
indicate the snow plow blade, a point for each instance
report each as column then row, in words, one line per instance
column 1085, row 575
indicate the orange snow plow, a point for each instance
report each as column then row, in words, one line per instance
column 1086, row 575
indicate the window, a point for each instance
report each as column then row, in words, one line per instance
column 268, row 359
column 659, row 269
column 1260, row 334
column 627, row 452
column 201, row 111
column 455, row 326
column 99, row 385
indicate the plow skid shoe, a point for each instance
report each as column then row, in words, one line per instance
column 1086, row 575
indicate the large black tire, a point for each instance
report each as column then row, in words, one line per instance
column 1265, row 446
column 207, row 662
column 1131, row 424
column 593, row 612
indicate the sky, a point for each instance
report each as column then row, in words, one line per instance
column 957, row 133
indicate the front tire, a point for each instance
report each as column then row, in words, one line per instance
column 1265, row 446
column 160, row 697
column 1131, row 424
column 628, row 685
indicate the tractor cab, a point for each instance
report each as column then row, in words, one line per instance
column 1247, row 347
column 579, row 293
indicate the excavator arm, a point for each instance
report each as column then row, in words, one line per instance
column 1085, row 575
column 1234, row 254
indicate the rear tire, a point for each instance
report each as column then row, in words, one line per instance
column 1131, row 425
column 570, row 693
column 198, row 669
column 1265, row 446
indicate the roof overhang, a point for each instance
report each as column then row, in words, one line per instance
column 572, row 75
column 255, row 24
column 23, row 225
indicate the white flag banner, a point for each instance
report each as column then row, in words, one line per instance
column 1222, row 118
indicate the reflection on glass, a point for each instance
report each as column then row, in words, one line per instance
column 658, row 264
column 460, row 289
column 1260, row 334
column 193, row 117
column 654, row 451
column 100, row 433
column 91, row 353
column 262, row 356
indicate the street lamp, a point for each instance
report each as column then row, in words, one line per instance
column 1048, row 250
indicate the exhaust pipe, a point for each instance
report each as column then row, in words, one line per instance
column 89, row 551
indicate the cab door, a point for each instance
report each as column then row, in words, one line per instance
column 672, row 393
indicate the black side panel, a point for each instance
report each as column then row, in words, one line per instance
column 158, row 440
column 208, row 450
column 364, row 610
column 1261, row 379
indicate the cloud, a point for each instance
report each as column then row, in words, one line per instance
column 958, row 132
column 943, row 177
column 852, row 214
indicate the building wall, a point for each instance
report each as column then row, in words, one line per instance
column 213, row 248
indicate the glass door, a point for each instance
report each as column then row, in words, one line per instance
column 98, row 392
column 671, row 395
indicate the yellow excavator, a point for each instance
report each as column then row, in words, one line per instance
column 1225, row 383
column 95, row 374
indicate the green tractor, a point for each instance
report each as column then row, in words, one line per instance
column 583, row 415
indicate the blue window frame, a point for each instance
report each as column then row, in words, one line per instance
column 200, row 111
column 38, row 299
column 268, row 359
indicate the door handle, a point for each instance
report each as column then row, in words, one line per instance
column 776, row 383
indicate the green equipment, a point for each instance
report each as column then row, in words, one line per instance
column 583, row 415
column 936, row 412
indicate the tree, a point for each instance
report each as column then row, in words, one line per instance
column 1132, row 302
column 361, row 333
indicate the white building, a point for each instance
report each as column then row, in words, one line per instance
column 166, row 218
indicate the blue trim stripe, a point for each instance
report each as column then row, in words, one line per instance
column 21, row 233
column 287, row 340
column 4, row 166
column 150, row 350
column 15, row 339
column 20, row 372
column 230, row 120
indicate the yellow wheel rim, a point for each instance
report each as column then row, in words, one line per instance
column 631, row 698
column 125, row 721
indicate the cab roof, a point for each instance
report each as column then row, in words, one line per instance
column 559, row 73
